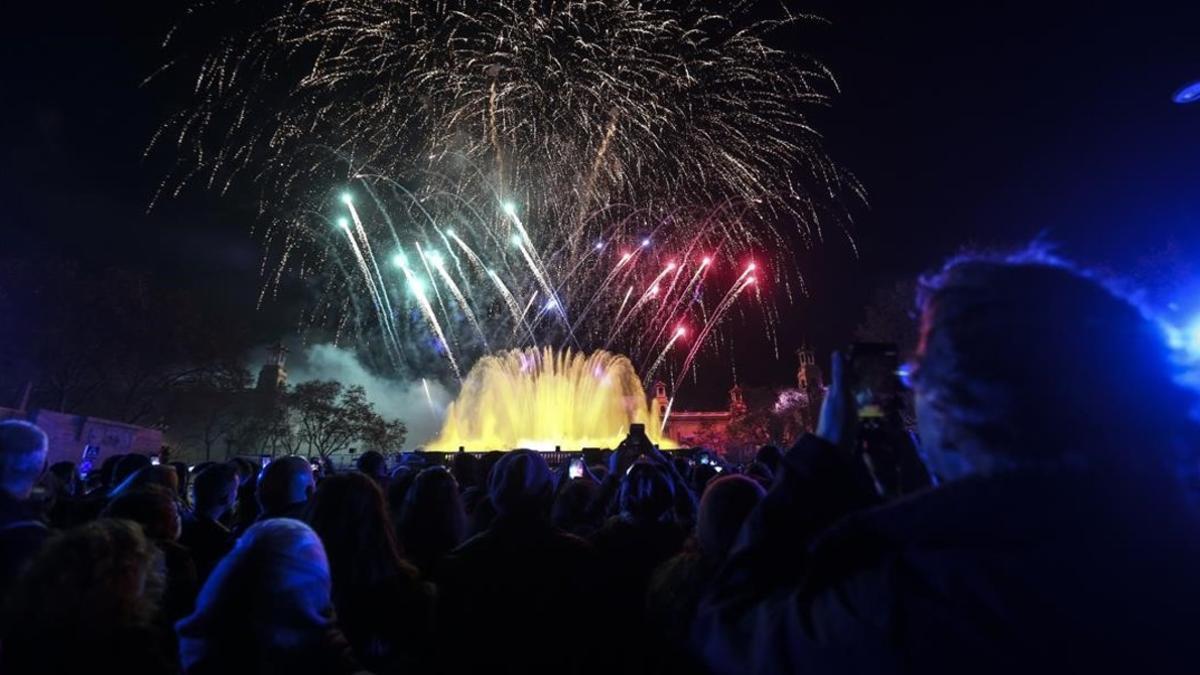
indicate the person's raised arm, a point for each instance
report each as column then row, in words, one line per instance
column 820, row 481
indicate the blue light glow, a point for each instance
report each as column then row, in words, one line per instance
column 1189, row 93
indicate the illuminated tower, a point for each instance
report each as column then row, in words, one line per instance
column 272, row 377
column 660, row 394
column 811, row 381
column 737, row 405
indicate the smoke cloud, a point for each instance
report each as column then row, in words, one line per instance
column 399, row 399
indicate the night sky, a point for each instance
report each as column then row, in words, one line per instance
column 969, row 124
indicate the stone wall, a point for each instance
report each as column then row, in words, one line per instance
column 69, row 434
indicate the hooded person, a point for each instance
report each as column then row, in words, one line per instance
column 513, row 576
column 267, row 608
column 629, row 547
column 676, row 586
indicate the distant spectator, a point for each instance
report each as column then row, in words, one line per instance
column 108, row 473
column 157, row 511
column 128, row 465
column 770, row 456
column 761, row 473
column 68, row 507
column 572, row 511
column 515, row 576
column 676, row 586
column 1060, row 540
column 204, row 533
column 433, row 522
column 68, row 478
column 466, row 468
column 184, row 477
column 161, row 475
column 267, row 608
column 629, row 547
column 382, row 606
column 23, row 448
column 284, row 487
column 245, row 509
column 88, row 604
column 374, row 465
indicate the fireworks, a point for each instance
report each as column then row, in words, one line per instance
column 522, row 163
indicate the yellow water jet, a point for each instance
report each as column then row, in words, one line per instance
column 543, row 398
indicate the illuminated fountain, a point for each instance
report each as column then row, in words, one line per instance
column 542, row 398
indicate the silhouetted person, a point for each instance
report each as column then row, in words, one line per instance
column 67, row 509
column 572, row 511
column 382, row 606
column 267, row 609
column 629, row 547
column 22, row 530
column 128, row 465
column 88, row 604
column 245, row 507
column 433, row 521
column 374, row 465
column 184, row 483
column 466, row 468
column 677, row 584
column 157, row 511
column 501, row 585
column 769, row 455
column 161, row 475
column 108, row 473
column 204, row 533
column 68, row 478
column 1060, row 540
column 284, row 487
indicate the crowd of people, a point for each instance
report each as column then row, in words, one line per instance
column 1045, row 521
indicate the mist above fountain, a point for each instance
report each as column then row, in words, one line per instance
column 543, row 398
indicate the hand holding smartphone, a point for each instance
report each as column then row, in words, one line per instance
column 575, row 470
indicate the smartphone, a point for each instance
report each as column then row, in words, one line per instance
column 575, row 470
column 154, row 460
column 88, row 462
column 875, row 382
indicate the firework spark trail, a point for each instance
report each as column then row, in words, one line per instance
column 428, row 396
column 682, row 121
column 625, row 262
column 624, row 302
column 381, row 292
column 414, row 284
column 651, row 292
column 730, row 297
column 511, row 302
column 427, row 264
column 370, row 282
column 505, row 294
column 738, row 286
column 440, row 267
column 680, row 331
column 697, row 277
column 525, row 313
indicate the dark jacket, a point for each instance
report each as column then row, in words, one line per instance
column 1058, row 571
column 208, row 540
column 22, row 533
column 389, row 624
column 517, row 599
column 627, row 554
